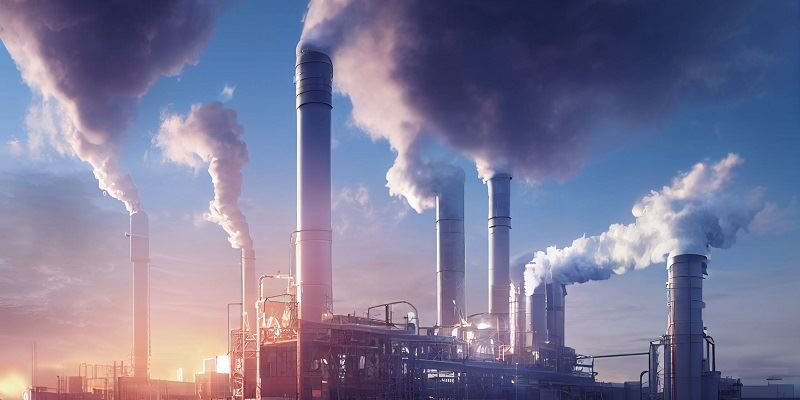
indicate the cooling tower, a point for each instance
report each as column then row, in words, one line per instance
column 140, row 258
column 313, row 78
column 450, row 254
column 499, row 187
column 685, row 325
column 556, row 295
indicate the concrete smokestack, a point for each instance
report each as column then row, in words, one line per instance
column 499, row 187
column 556, row 295
column 313, row 79
column 450, row 256
column 140, row 258
column 537, row 320
column 685, row 325
column 249, row 295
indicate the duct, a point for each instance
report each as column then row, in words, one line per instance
column 499, row 187
column 140, row 258
column 556, row 294
column 450, row 256
column 685, row 324
column 537, row 321
column 313, row 78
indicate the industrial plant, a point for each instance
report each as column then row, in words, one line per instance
column 293, row 345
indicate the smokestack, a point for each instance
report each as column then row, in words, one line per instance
column 518, row 328
column 140, row 258
column 685, row 325
column 537, row 320
column 249, row 295
column 499, row 187
column 313, row 79
column 450, row 258
column 556, row 294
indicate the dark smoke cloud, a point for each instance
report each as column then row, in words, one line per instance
column 90, row 62
column 519, row 86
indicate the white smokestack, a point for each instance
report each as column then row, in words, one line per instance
column 556, row 297
column 499, row 187
column 450, row 256
column 313, row 77
column 140, row 258
column 685, row 326
column 537, row 320
column 695, row 213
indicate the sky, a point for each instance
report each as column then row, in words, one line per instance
column 64, row 268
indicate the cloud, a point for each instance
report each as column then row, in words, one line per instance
column 89, row 63
column 522, row 87
column 227, row 93
column 211, row 136
column 700, row 210
column 15, row 147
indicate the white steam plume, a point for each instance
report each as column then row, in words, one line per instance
column 210, row 135
column 90, row 61
column 696, row 212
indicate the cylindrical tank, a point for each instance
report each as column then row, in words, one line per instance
column 450, row 256
column 685, row 324
column 313, row 78
column 140, row 258
column 499, row 187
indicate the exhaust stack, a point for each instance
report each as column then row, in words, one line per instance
column 313, row 79
column 450, row 256
column 140, row 258
column 249, row 325
column 685, row 325
column 556, row 296
column 537, row 321
column 499, row 187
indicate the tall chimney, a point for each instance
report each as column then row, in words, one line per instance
column 685, row 325
column 313, row 79
column 499, row 187
column 140, row 258
column 249, row 298
column 450, row 253
column 537, row 320
column 249, row 295
column 556, row 294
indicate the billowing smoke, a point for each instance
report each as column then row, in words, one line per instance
column 519, row 86
column 697, row 212
column 91, row 61
column 210, row 135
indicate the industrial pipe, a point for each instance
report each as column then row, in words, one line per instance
column 685, row 324
column 499, row 187
column 450, row 253
column 140, row 258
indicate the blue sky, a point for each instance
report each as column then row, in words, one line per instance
column 752, row 307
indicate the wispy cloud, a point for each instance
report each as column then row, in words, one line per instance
column 227, row 93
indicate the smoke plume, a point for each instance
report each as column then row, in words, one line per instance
column 519, row 87
column 210, row 135
column 697, row 212
column 91, row 61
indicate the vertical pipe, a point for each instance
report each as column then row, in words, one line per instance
column 313, row 82
column 685, row 324
column 499, row 187
column 556, row 294
column 140, row 258
column 450, row 256
column 248, row 321
column 313, row 76
column 539, row 316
